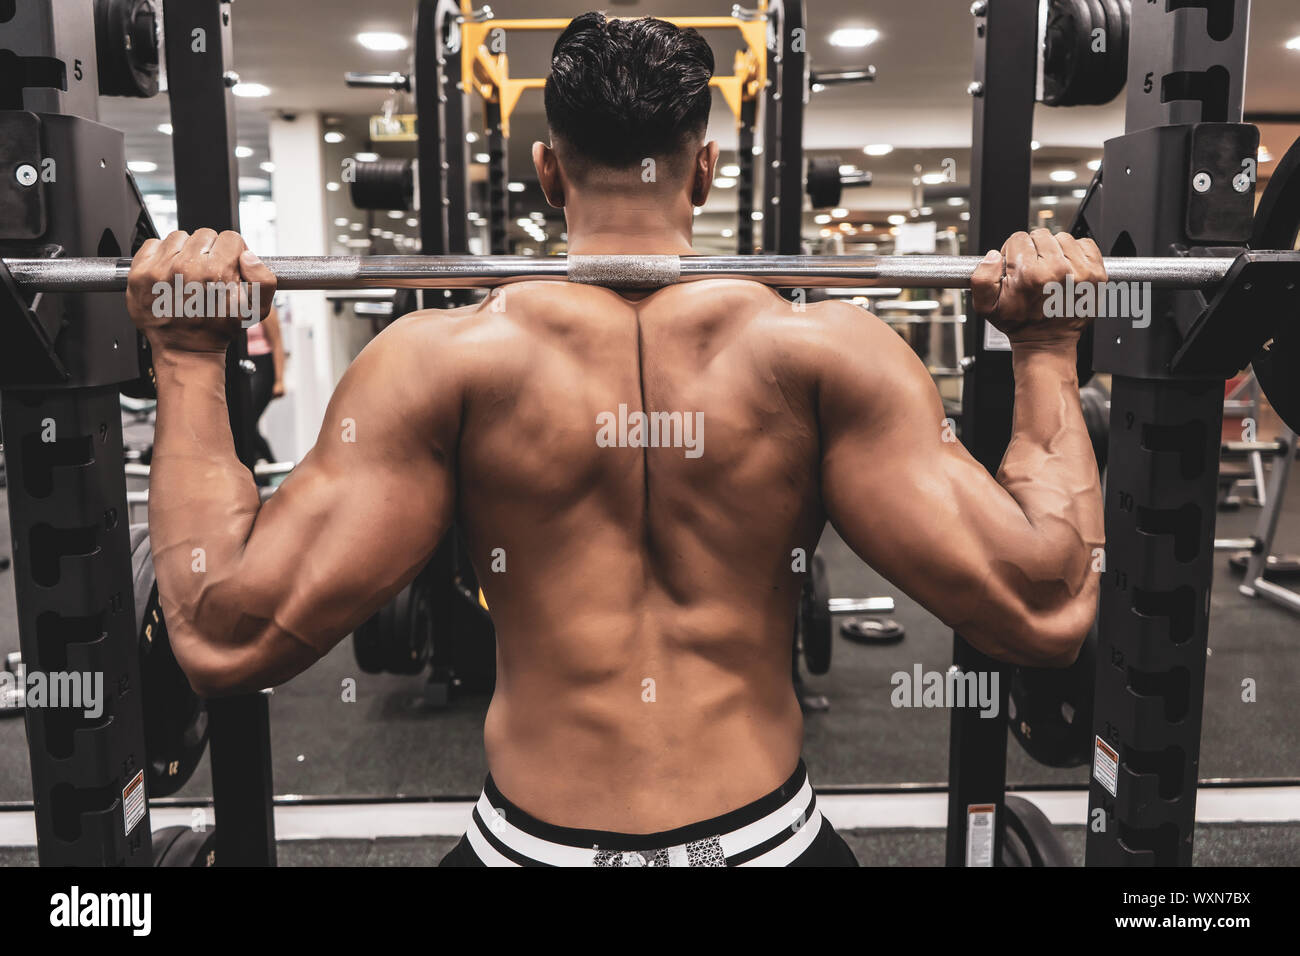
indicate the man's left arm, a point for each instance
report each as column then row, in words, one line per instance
column 254, row 593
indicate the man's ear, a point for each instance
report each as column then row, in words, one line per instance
column 706, row 163
column 548, row 174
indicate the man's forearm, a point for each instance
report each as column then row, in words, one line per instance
column 202, row 500
column 1050, row 470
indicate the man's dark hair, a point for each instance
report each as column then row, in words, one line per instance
column 623, row 90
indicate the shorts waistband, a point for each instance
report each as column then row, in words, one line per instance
column 771, row 830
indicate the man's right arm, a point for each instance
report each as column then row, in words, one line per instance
column 1005, row 561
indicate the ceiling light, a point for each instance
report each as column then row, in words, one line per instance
column 1035, row 144
column 366, row 157
column 1293, row 43
column 724, row 182
column 1051, row 200
column 897, row 220
column 250, row 89
column 854, row 37
column 243, row 152
column 142, row 166
column 332, row 187
column 516, row 187
column 847, row 170
column 1264, row 156
column 165, row 128
column 356, row 227
column 956, row 201
column 382, row 42
column 267, row 167
column 964, row 217
column 1079, row 193
column 536, row 217
column 878, row 149
column 839, row 212
column 818, row 87
column 341, row 221
column 334, row 136
column 1094, row 164
column 471, row 137
column 412, row 222
column 826, row 233
column 523, row 222
column 756, row 216
column 697, row 211
column 731, row 169
column 934, row 179
column 481, row 157
column 395, row 214
column 727, row 233
column 1064, row 175
column 927, row 210
column 821, row 219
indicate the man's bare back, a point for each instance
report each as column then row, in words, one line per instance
column 646, row 612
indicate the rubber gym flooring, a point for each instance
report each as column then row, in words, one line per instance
column 387, row 744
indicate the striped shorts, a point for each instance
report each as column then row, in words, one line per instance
column 783, row 828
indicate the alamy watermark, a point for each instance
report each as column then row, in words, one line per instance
column 1099, row 300
column 212, row 300
column 624, row 429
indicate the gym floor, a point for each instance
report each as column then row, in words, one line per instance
column 387, row 747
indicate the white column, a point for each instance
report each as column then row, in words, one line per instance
column 298, row 189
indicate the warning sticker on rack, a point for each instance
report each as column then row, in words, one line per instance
column 1105, row 766
column 979, row 834
column 133, row 802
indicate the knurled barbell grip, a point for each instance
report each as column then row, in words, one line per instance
column 616, row 272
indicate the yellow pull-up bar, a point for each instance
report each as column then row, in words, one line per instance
column 488, row 73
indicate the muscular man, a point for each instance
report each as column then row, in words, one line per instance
column 643, row 592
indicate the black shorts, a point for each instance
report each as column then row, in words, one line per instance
column 783, row 828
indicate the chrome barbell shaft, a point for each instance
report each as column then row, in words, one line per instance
column 618, row 272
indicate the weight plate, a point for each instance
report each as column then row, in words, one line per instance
column 175, row 718
column 1050, row 709
column 1029, row 838
column 368, row 645
column 872, row 631
column 183, row 846
column 1276, row 567
column 815, row 618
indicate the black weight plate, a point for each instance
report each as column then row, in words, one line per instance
column 1114, row 65
column 367, row 645
column 175, row 718
column 825, row 185
column 1060, row 52
column 872, row 631
column 1094, row 64
column 474, row 663
column 409, row 629
column 815, row 618
column 1034, row 836
column 1276, row 567
column 1277, row 222
column 183, row 846
column 1050, row 709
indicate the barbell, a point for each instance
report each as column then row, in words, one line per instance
column 614, row 272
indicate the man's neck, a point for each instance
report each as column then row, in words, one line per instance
column 618, row 229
